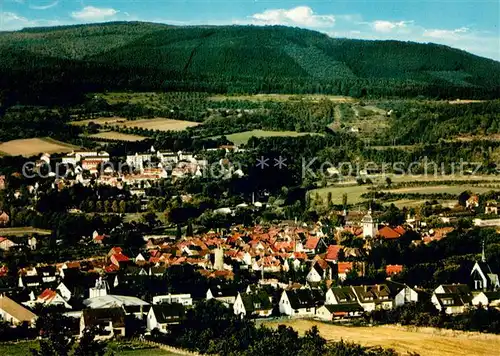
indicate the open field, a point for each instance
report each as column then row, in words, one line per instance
column 113, row 135
column 33, row 146
column 283, row 97
column 425, row 341
column 355, row 191
column 158, row 123
column 21, row 231
column 23, row 348
column 243, row 137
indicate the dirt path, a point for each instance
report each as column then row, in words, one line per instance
column 424, row 341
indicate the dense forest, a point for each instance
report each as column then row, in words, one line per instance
column 64, row 62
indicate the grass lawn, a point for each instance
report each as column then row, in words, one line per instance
column 21, row 231
column 17, row 349
column 243, row 137
column 158, row 123
column 424, row 341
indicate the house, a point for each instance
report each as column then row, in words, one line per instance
column 339, row 311
column 340, row 295
column 162, row 315
column 49, row 297
column 224, row 294
column 300, row 302
column 482, row 277
column 452, row 298
column 312, row 245
column 109, row 322
column 131, row 305
column 4, row 219
column 487, row 299
column 373, row 297
column 332, row 253
column 400, row 293
column 320, row 270
column 389, row 233
column 492, row 208
column 472, row 202
column 393, row 269
column 14, row 313
column 343, row 268
column 257, row 304
column 183, row 299
column 6, row 244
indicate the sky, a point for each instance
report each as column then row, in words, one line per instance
column 471, row 25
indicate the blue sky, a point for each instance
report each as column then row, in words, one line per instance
column 472, row 25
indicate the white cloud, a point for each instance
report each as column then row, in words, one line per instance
column 44, row 7
column 453, row 35
column 91, row 13
column 298, row 16
column 10, row 21
column 388, row 26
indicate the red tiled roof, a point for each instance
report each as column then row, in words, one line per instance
column 111, row 268
column 400, row 230
column 120, row 257
column 344, row 267
column 311, row 243
column 332, row 254
column 387, row 233
column 393, row 269
column 47, row 295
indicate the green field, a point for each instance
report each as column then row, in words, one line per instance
column 243, row 137
column 355, row 191
column 283, row 97
column 23, row 349
column 21, row 231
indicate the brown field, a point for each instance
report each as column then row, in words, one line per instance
column 158, row 123
column 424, row 341
column 112, row 135
column 33, row 146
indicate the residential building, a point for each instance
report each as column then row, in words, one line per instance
column 300, row 302
column 109, row 321
column 373, row 297
column 14, row 313
column 162, row 315
column 254, row 304
column 339, row 311
column 183, row 299
column 452, row 298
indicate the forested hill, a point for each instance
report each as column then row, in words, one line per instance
column 37, row 63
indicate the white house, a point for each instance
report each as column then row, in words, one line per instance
column 256, row 304
column 300, row 302
column 487, row 299
column 373, row 297
column 452, row 298
column 160, row 316
column 184, row 299
column 223, row 294
column 339, row 311
column 14, row 313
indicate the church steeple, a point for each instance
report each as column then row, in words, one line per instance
column 483, row 256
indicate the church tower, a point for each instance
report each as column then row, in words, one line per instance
column 369, row 225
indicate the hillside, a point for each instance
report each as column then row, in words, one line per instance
column 145, row 56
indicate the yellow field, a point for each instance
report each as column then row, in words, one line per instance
column 243, row 137
column 283, row 97
column 424, row 341
column 33, row 146
column 112, row 135
column 158, row 123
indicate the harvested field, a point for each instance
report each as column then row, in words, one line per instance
column 423, row 341
column 243, row 137
column 112, row 135
column 33, row 146
column 160, row 124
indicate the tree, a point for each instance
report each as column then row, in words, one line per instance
column 312, row 343
column 88, row 346
column 55, row 330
